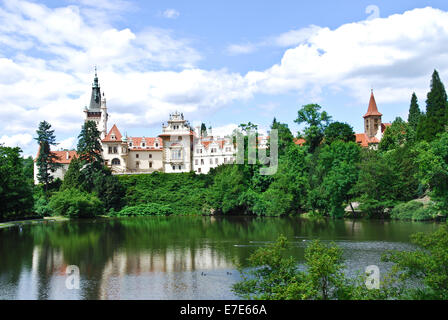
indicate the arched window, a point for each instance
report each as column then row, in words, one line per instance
column 116, row 161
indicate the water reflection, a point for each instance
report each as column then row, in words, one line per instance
column 170, row 257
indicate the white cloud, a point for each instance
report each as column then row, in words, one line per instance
column 171, row 14
column 67, row 144
column 235, row 49
column 18, row 140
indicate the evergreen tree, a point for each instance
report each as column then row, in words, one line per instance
column 46, row 159
column 89, row 151
column 72, row 178
column 436, row 109
column 414, row 113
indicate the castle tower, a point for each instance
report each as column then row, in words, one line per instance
column 177, row 139
column 97, row 110
column 372, row 120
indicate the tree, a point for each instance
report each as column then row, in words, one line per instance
column 15, row 192
column 339, row 131
column 72, row 178
column 316, row 123
column 89, row 151
column 414, row 113
column 285, row 137
column 46, row 160
column 395, row 135
column 436, row 109
column 428, row 264
column 274, row 276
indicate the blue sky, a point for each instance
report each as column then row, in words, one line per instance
column 219, row 62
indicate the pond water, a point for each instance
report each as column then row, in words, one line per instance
column 172, row 257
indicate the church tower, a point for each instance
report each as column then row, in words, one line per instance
column 372, row 120
column 97, row 110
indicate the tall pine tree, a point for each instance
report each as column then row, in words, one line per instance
column 90, row 153
column 436, row 109
column 46, row 160
column 414, row 112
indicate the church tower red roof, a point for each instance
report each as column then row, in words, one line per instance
column 372, row 110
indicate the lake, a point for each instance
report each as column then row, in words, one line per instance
column 173, row 257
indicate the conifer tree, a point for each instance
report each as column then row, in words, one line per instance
column 90, row 153
column 414, row 112
column 46, row 160
column 436, row 109
column 72, row 177
column 203, row 130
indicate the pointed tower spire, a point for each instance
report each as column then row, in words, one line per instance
column 95, row 103
column 372, row 110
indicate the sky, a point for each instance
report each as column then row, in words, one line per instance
column 219, row 62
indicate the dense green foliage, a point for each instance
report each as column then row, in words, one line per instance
column 75, row 203
column 184, row 193
column 413, row 210
column 16, row 199
column 414, row 113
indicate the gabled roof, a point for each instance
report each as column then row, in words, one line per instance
column 113, row 131
column 372, row 110
column 149, row 141
column 63, row 157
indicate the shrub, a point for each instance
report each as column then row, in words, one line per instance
column 413, row 210
column 42, row 208
column 76, row 203
column 147, row 209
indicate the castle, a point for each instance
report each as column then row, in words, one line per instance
column 179, row 148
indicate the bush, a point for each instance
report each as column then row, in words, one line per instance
column 75, row 203
column 42, row 207
column 147, row 209
column 413, row 210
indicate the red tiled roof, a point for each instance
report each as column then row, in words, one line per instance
column 220, row 143
column 150, row 143
column 372, row 110
column 63, row 157
column 363, row 140
column 299, row 142
column 115, row 131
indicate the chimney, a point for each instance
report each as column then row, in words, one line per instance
column 67, row 155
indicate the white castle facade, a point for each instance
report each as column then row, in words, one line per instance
column 179, row 148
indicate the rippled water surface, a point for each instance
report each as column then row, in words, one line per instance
column 172, row 257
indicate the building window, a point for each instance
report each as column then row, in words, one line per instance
column 196, row 161
column 113, row 137
column 157, row 144
column 150, row 164
column 150, row 156
column 199, row 169
column 216, row 160
column 137, row 164
column 174, row 167
column 211, row 161
column 110, row 149
column 137, row 155
column 213, row 150
column 115, row 150
column 130, row 144
column 180, row 167
column 179, row 138
column 202, row 161
column 225, row 160
column 176, row 154
column 115, row 161
column 143, row 145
